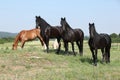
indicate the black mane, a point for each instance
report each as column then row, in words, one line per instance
column 44, row 23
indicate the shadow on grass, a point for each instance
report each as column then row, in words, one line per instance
column 61, row 52
column 89, row 60
column 83, row 59
column 86, row 59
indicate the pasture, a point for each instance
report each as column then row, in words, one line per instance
column 32, row 63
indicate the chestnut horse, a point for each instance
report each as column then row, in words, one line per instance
column 27, row 35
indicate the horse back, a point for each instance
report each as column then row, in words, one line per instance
column 107, row 38
column 52, row 32
column 79, row 33
column 29, row 34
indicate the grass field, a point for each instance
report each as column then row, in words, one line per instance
column 32, row 63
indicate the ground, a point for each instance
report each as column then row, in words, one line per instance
column 33, row 63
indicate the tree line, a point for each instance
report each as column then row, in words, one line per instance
column 115, row 37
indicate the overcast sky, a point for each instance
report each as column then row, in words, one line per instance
column 16, row 15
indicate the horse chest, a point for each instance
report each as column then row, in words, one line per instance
column 99, row 43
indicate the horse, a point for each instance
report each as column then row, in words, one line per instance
column 27, row 35
column 72, row 35
column 48, row 31
column 99, row 41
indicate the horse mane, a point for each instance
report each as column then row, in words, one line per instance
column 44, row 23
column 67, row 25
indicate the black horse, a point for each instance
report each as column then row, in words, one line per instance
column 72, row 35
column 99, row 41
column 48, row 31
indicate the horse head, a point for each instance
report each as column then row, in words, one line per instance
column 38, row 21
column 14, row 47
column 41, row 23
column 92, row 30
column 63, row 23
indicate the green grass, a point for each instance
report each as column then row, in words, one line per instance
column 32, row 63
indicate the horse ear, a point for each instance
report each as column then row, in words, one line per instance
column 89, row 23
column 93, row 23
column 39, row 16
column 64, row 18
column 35, row 16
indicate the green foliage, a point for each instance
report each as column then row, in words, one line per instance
column 6, row 40
column 115, row 38
column 86, row 38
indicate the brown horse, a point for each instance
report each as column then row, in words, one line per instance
column 27, row 35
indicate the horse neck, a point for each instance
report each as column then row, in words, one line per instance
column 94, row 33
column 17, row 39
column 44, row 24
column 68, row 27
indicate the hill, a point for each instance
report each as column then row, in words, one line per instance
column 7, row 34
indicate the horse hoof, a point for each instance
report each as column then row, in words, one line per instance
column 74, row 54
column 94, row 64
column 81, row 54
column 57, row 52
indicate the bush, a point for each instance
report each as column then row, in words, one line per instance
column 5, row 40
column 115, row 38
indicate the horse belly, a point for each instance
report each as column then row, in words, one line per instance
column 54, row 34
column 101, row 44
column 68, row 38
column 31, row 36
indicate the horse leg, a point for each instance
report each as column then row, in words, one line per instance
column 109, row 55
column 66, row 47
column 47, row 44
column 103, row 54
column 78, row 47
column 23, row 43
column 93, row 55
column 73, row 48
column 41, row 40
column 107, row 51
column 58, row 50
column 81, row 47
column 95, row 63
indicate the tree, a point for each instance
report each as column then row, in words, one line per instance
column 113, row 35
column 115, row 38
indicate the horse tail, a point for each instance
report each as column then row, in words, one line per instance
column 107, row 49
column 81, row 42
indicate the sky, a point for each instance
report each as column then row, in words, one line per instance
column 17, row 15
